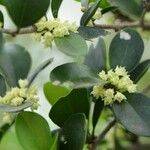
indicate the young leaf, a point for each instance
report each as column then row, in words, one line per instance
column 134, row 114
column 20, row 14
column 91, row 32
column 15, row 63
column 96, row 58
column 98, row 107
column 126, row 49
column 54, row 92
column 140, row 70
column 74, row 74
column 55, row 5
column 73, row 134
column 89, row 13
column 76, row 102
column 33, row 131
column 72, row 45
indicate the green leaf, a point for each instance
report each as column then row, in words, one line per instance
column 15, row 63
column 10, row 141
column 72, row 45
column 89, row 13
column 74, row 133
column 98, row 107
column 54, row 92
column 1, row 18
column 55, row 5
column 108, row 9
column 76, row 102
column 96, row 58
column 140, row 70
column 134, row 114
column 130, row 8
column 75, row 75
column 10, row 108
column 33, row 131
column 91, row 32
column 26, row 12
column 2, row 86
column 126, row 52
column 55, row 143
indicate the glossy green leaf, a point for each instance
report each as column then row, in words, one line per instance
column 76, row 102
column 126, row 50
column 130, row 8
column 54, row 145
column 9, row 108
column 74, row 133
column 15, row 63
column 55, row 5
column 54, row 92
column 33, row 131
column 140, row 70
column 26, row 12
column 134, row 114
column 1, row 18
column 108, row 9
column 91, row 32
column 2, row 86
column 72, row 45
column 75, row 75
column 89, row 13
column 96, row 58
column 98, row 107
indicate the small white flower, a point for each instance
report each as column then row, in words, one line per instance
column 119, row 97
column 98, row 91
column 103, row 75
column 7, row 118
column 23, row 83
column 125, row 35
column 117, row 82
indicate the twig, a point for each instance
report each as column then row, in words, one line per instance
column 102, row 135
column 145, row 26
column 27, row 30
column 146, row 89
column 32, row 29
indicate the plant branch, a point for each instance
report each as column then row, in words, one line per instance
column 32, row 29
column 27, row 30
column 146, row 89
column 120, row 26
column 38, row 70
column 102, row 135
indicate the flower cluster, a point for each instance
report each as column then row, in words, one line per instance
column 48, row 30
column 117, row 82
column 18, row 95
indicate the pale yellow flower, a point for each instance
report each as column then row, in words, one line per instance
column 117, row 82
